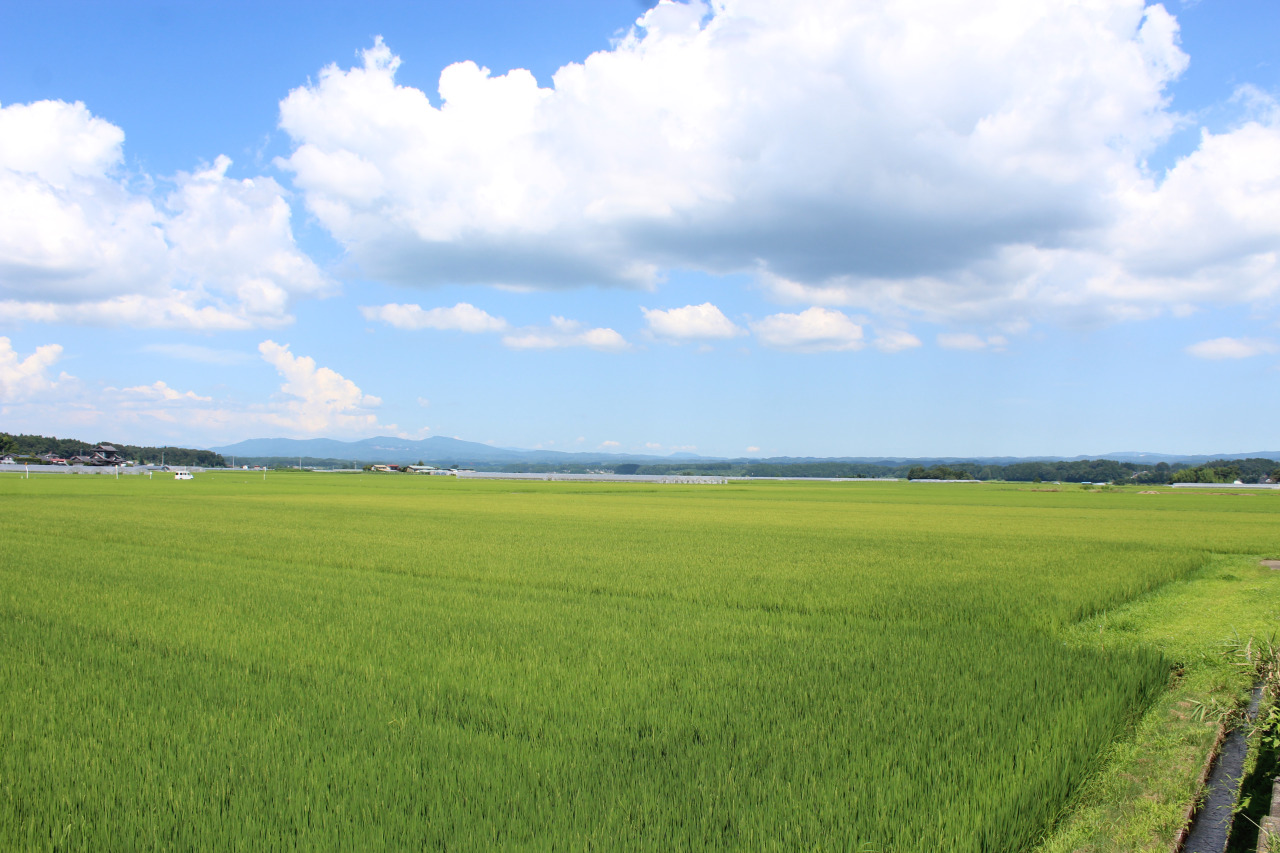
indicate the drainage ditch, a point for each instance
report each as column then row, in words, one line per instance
column 1211, row 827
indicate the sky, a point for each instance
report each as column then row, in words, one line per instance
column 736, row 228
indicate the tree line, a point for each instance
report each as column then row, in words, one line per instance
column 1080, row 470
column 31, row 447
column 1074, row 471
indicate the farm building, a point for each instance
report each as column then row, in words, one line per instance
column 105, row 454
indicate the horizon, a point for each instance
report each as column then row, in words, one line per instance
column 623, row 227
column 1113, row 455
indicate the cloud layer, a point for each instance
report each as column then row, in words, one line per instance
column 974, row 163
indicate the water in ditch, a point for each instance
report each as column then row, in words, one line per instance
column 1212, row 825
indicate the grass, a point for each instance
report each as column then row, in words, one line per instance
column 1199, row 622
column 361, row 661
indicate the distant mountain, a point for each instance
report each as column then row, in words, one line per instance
column 437, row 450
column 1157, row 458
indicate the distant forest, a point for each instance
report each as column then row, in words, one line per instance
column 31, row 446
column 1076, row 471
column 1088, row 470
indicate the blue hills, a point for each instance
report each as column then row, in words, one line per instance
column 439, row 450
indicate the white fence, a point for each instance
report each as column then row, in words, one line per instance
column 598, row 478
column 1226, row 485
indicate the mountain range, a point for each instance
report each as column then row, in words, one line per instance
column 440, row 450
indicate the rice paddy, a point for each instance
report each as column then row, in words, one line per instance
column 390, row 662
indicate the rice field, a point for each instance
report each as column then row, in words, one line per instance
column 369, row 662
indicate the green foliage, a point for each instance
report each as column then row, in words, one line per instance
column 39, row 445
column 327, row 661
column 939, row 472
column 1208, row 474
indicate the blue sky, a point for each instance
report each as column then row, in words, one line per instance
column 827, row 227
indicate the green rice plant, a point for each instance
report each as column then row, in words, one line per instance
column 375, row 662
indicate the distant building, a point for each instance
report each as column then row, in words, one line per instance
column 106, row 454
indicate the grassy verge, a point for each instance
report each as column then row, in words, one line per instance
column 1255, row 789
column 1139, row 799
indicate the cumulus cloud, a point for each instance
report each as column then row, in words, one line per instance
column 1220, row 348
column 565, row 333
column 462, row 317
column 610, row 444
column 81, row 243
column 691, row 323
column 23, row 378
column 312, row 400
column 322, row 399
column 814, row 330
column 979, row 161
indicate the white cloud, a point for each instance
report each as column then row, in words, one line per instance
column 816, row 329
column 610, row 444
column 565, row 333
column 692, row 322
column 1220, row 348
column 753, row 449
column 969, row 341
column 159, row 392
column 895, row 340
column 462, row 317
column 323, row 399
column 24, row 378
column 81, row 243
column 312, row 400
column 978, row 161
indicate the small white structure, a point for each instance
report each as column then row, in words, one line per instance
column 1235, row 485
column 183, row 475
